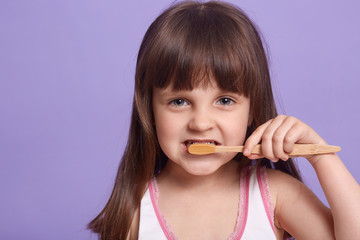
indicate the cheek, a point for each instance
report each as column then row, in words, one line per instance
column 167, row 129
column 235, row 129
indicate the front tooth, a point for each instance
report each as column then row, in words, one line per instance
column 193, row 142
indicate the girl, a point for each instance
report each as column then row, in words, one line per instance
column 202, row 77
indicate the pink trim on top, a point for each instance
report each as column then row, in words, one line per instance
column 154, row 195
column 242, row 211
column 265, row 194
column 243, row 205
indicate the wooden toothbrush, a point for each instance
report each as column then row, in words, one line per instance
column 298, row 150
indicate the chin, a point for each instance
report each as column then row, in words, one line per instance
column 203, row 168
column 201, row 172
column 204, row 165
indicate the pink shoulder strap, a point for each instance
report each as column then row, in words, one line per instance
column 265, row 194
column 165, row 226
column 243, row 204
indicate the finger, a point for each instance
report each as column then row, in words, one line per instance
column 255, row 138
column 304, row 134
column 267, row 140
column 278, row 140
column 294, row 135
column 255, row 156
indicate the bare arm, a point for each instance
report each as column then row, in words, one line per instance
column 342, row 192
column 297, row 209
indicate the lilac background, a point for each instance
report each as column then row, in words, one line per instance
column 66, row 82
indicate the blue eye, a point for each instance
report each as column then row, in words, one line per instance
column 225, row 101
column 179, row 102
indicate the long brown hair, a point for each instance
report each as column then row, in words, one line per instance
column 186, row 44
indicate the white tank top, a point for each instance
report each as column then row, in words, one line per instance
column 255, row 217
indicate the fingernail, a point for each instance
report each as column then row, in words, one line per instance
column 246, row 152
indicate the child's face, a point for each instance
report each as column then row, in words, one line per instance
column 202, row 115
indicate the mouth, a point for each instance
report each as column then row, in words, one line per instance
column 187, row 143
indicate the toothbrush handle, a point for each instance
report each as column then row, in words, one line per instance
column 299, row 149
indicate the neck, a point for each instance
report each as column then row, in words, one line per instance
column 176, row 177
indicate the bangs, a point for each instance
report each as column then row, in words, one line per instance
column 201, row 47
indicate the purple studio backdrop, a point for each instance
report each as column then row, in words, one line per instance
column 66, row 87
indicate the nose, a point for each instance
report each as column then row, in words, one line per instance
column 201, row 120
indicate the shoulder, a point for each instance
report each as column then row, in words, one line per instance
column 297, row 208
column 286, row 189
column 283, row 184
